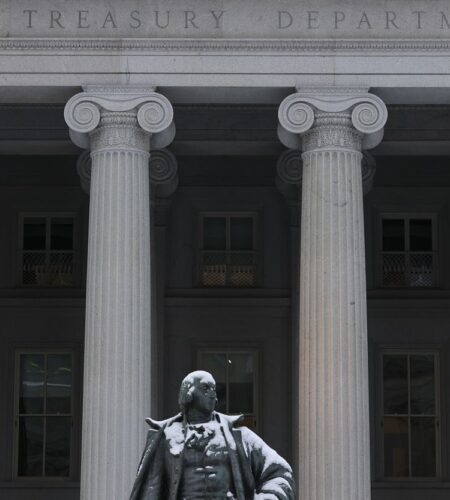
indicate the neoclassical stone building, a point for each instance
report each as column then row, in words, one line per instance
column 259, row 189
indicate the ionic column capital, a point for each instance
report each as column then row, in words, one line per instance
column 119, row 117
column 331, row 117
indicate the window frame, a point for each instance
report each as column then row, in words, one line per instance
column 408, row 351
column 73, row 416
column 48, row 251
column 256, row 374
column 228, row 215
column 407, row 217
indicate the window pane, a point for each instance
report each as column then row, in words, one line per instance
column 420, row 234
column 214, row 233
column 395, row 384
column 242, row 259
column 59, row 383
column 241, row 377
column 422, row 384
column 32, row 379
column 241, row 233
column 34, row 233
column 393, row 235
column 421, row 270
column 396, row 447
column 423, row 447
column 62, row 233
column 214, row 258
column 394, row 270
column 216, row 364
column 57, row 446
column 30, row 449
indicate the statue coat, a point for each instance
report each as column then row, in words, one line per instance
column 257, row 470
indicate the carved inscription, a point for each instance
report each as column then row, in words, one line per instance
column 226, row 18
column 383, row 20
column 132, row 20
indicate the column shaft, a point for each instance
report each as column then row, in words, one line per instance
column 333, row 405
column 118, row 124
column 117, row 351
column 332, row 125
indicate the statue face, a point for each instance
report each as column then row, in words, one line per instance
column 204, row 395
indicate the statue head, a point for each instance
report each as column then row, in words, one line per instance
column 198, row 391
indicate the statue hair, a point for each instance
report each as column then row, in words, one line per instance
column 185, row 396
column 187, row 386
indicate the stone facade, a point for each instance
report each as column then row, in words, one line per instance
column 136, row 127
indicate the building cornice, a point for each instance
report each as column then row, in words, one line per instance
column 295, row 46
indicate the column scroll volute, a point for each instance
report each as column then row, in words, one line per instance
column 298, row 113
column 154, row 112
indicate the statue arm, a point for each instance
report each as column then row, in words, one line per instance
column 272, row 474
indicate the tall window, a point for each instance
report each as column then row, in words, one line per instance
column 408, row 256
column 47, row 250
column 44, row 412
column 235, row 373
column 410, row 420
column 228, row 250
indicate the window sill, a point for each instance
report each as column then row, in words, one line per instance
column 411, row 484
column 11, row 294
column 39, row 484
column 227, row 292
column 408, row 293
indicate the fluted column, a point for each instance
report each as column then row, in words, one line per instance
column 331, row 127
column 118, row 125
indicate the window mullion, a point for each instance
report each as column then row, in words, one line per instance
column 408, row 269
column 255, row 377
column 48, row 225
column 48, row 249
column 21, row 247
column 227, row 379
column 437, row 412
column 407, row 254
column 228, row 248
column 407, row 235
column 383, row 410
column 381, row 253
column 71, row 442
column 17, row 412
column 255, row 232
column 409, row 416
column 434, row 262
column 44, row 418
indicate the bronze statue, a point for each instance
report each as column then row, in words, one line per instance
column 201, row 454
